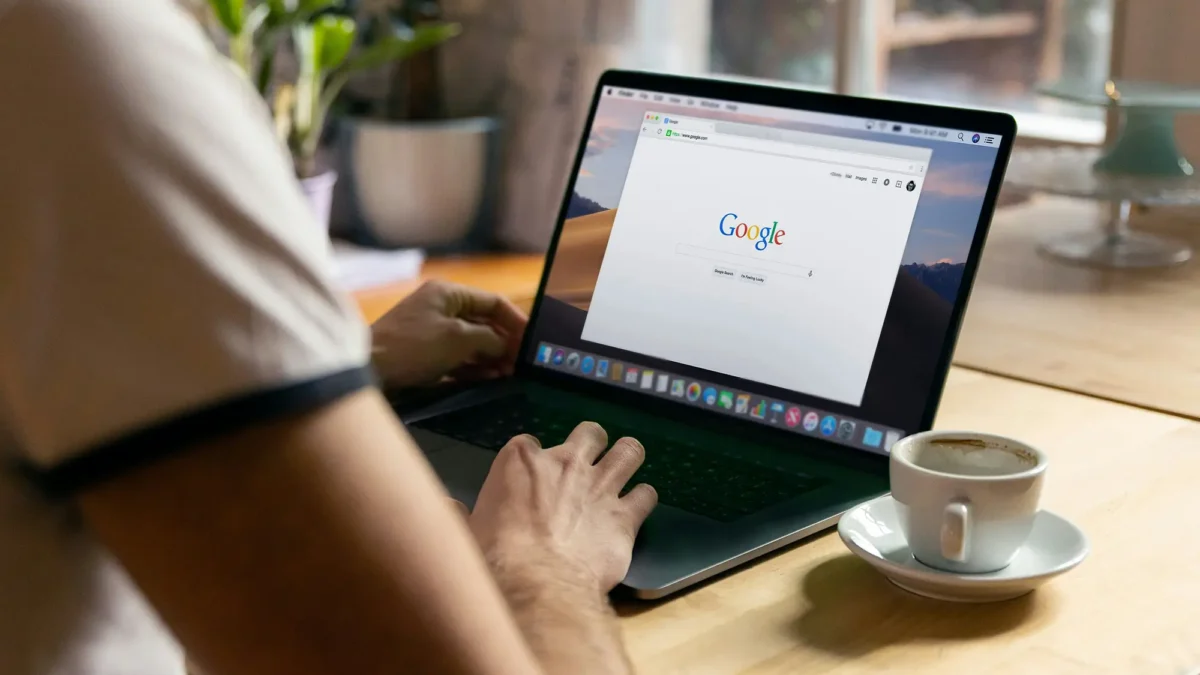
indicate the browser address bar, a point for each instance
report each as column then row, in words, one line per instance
column 840, row 157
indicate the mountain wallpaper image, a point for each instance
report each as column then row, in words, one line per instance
column 942, row 277
column 582, row 206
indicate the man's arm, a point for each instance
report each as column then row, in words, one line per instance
column 323, row 544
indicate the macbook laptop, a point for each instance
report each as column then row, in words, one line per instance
column 764, row 286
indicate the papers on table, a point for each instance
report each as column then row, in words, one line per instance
column 356, row 268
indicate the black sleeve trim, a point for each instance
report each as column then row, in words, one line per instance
column 112, row 458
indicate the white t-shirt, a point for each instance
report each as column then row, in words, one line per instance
column 162, row 281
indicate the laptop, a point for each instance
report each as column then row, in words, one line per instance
column 762, row 285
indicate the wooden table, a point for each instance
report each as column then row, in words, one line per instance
column 1123, row 473
column 1131, row 336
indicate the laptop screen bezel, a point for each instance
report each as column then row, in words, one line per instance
column 987, row 122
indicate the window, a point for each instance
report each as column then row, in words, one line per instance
column 984, row 53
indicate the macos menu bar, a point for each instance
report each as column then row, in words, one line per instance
column 873, row 126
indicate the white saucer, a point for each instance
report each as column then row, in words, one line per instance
column 872, row 531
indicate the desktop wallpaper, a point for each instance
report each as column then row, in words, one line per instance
column 927, row 283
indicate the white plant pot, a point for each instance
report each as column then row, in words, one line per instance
column 415, row 184
column 319, row 191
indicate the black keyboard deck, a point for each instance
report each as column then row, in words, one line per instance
column 685, row 474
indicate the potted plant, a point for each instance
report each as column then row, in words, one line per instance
column 413, row 176
column 322, row 46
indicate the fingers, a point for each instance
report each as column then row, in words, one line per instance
column 476, row 342
column 587, row 441
column 638, row 503
column 496, row 311
column 472, row 303
column 620, row 463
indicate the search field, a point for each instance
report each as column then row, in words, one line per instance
column 742, row 262
column 856, row 160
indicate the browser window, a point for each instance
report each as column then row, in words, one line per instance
column 765, row 254
column 791, row 267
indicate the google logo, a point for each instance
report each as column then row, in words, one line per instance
column 765, row 235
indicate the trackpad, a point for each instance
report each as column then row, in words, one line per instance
column 462, row 468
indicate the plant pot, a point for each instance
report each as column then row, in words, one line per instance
column 416, row 184
column 319, row 191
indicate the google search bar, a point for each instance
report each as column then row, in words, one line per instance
column 738, row 263
column 856, row 160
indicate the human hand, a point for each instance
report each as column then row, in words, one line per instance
column 557, row 513
column 446, row 329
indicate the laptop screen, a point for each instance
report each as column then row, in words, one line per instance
column 794, row 268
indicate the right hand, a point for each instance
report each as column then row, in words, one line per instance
column 557, row 511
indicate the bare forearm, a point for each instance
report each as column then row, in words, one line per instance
column 569, row 626
column 312, row 546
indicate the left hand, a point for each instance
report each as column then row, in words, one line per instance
column 445, row 329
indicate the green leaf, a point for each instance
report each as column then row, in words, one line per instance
column 334, row 38
column 311, row 7
column 285, row 13
column 402, row 45
column 230, row 13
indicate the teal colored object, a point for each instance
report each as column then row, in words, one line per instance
column 1145, row 144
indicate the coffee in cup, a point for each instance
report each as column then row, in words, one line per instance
column 966, row 501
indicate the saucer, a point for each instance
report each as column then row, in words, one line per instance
column 872, row 531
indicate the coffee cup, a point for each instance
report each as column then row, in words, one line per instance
column 966, row 501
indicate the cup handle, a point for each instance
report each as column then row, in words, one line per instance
column 956, row 531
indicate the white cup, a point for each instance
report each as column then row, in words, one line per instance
column 966, row 501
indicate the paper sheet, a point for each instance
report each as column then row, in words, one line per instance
column 357, row 268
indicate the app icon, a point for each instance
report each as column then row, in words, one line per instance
column 743, row 403
column 726, row 399
column 631, row 376
column 776, row 411
column 693, row 392
column 890, row 439
column 602, row 368
column 975, row 138
column 811, row 420
column 558, row 357
column 887, row 182
column 912, row 185
column 544, row 354
column 573, row 360
column 710, row 396
column 828, row 426
column 668, row 132
column 872, row 437
column 618, row 369
column 588, row 364
column 664, row 381
column 647, row 379
column 677, row 388
column 846, row 430
column 759, row 411
column 792, row 418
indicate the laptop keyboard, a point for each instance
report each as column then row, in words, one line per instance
column 684, row 473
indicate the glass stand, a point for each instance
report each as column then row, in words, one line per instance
column 1069, row 171
column 1118, row 246
column 1143, row 165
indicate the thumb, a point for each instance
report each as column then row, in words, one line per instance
column 471, row 341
